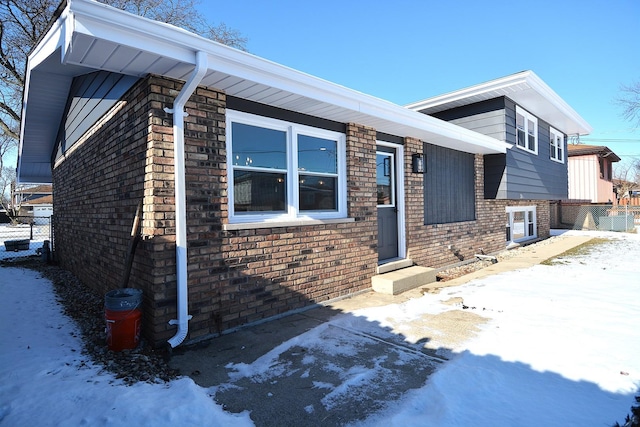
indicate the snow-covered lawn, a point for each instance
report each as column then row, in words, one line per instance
column 560, row 349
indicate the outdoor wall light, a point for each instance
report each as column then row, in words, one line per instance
column 417, row 163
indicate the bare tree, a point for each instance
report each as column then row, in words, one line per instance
column 182, row 13
column 627, row 178
column 23, row 22
column 629, row 101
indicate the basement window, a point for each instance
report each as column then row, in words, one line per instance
column 521, row 223
column 282, row 171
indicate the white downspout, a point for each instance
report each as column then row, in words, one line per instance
column 181, row 205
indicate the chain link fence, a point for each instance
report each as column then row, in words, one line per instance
column 26, row 236
column 607, row 218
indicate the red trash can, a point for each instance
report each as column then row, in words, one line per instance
column 123, row 315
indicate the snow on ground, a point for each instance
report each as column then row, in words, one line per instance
column 40, row 233
column 46, row 381
column 560, row 349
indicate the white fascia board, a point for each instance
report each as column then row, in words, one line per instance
column 514, row 83
column 104, row 22
column 435, row 126
column 549, row 94
column 52, row 40
column 468, row 92
column 59, row 35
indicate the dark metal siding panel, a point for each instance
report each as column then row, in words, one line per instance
column 252, row 107
column 495, row 176
column 449, row 185
column 90, row 97
column 380, row 136
column 476, row 108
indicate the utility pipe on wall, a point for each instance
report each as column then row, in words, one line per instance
column 180, row 195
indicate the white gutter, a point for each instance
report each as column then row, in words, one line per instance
column 180, row 196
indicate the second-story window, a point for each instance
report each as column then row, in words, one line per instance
column 526, row 130
column 556, row 145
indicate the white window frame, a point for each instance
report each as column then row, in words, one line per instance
column 510, row 210
column 556, row 145
column 292, row 212
column 527, row 118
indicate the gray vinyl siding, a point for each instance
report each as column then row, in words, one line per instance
column 90, row 97
column 449, row 185
column 533, row 176
column 486, row 117
column 518, row 174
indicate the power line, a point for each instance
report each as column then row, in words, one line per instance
column 622, row 140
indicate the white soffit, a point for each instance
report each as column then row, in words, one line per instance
column 90, row 36
column 525, row 89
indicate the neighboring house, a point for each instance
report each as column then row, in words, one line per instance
column 591, row 173
column 276, row 191
column 36, row 202
column 525, row 113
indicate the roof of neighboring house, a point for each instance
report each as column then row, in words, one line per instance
column 38, row 189
column 525, row 89
column 44, row 200
column 89, row 36
column 585, row 150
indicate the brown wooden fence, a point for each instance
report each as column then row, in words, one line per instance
column 633, row 201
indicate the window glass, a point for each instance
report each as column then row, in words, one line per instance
column 318, row 193
column 531, row 129
column 518, row 226
column 317, row 155
column 520, row 129
column 556, row 140
column 259, row 147
column 560, row 153
column 280, row 170
column 526, row 130
column 384, row 174
column 259, row 191
column 521, row 223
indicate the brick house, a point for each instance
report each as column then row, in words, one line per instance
column 276, row 191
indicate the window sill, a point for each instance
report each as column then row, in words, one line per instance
column 527, row 149
column 292, row 223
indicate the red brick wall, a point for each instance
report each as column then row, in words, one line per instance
column 124, row 157
column 242, row 276
column 235, row 276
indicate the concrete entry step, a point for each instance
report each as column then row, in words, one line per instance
column 394, row 265
column 398, row 281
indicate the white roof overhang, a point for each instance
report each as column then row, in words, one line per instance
column 90, row 36
column 525, row 89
